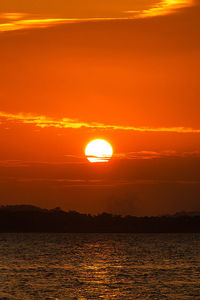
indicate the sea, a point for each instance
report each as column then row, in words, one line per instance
column 99, row 266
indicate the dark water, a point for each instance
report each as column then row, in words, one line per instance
column 99, row 266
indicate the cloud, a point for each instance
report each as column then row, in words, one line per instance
column 12, row 16
column 81, row 160
column 64, row 123
column 96, row 183
column 157, row 154
column 16, row 23
column 164, row 7
column 34, row 23
column 19, row 21
column 76, row 162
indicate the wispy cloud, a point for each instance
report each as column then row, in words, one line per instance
column 80, row 159
column 18, row 21
column 33, row 23
column 12, row 16
column 163, row 7
column 46, row 122
column 157, row 154
column 14, row 23
column 66, row 183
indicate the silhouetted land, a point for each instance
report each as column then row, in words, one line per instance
column 27, row 218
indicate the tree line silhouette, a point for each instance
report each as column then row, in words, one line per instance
column 28, row 218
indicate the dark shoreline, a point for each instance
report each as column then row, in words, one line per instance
column 31, row 219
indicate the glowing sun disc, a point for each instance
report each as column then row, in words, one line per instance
column 98, row 151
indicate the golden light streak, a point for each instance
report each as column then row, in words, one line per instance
column 47, row 22
column 46, row 122
column 37, row 23
column 164, row 7
column 12, row 16
column 19, row 21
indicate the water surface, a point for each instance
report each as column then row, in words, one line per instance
column 99, row 266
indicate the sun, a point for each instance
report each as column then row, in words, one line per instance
column 98, row 151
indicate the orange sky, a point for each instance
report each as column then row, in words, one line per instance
column 126, row 71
